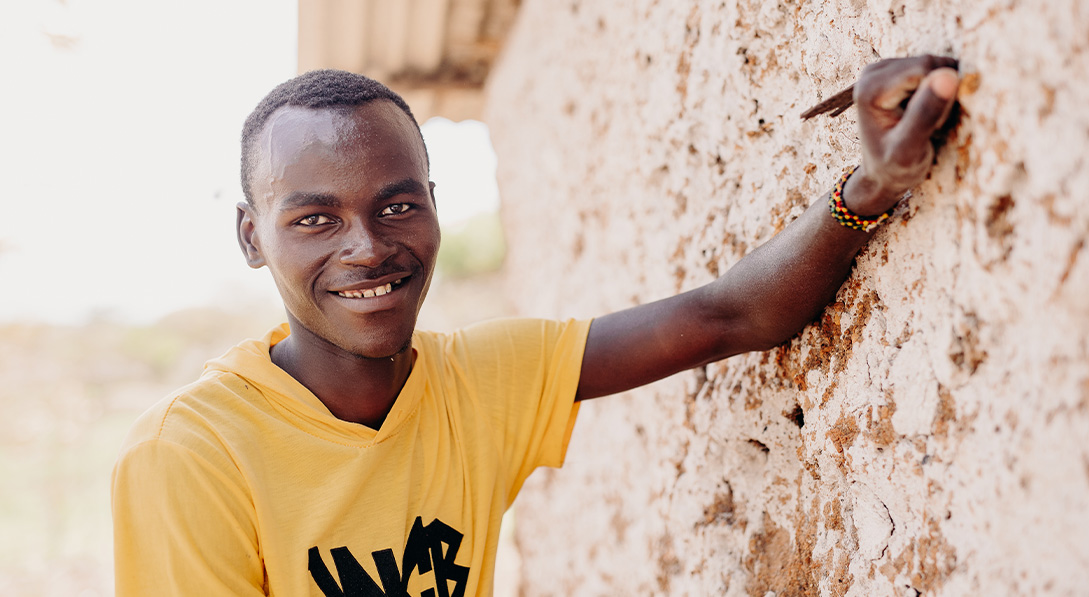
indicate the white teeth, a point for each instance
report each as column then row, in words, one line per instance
column 370, row 292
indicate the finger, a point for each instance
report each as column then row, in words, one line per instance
column 885, row 85
column 929, row 106
column 921, row 65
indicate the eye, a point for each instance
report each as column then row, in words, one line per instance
column 395, row 209
column 314, row 220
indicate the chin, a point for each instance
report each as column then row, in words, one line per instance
column 379, row 348
column 371, row 336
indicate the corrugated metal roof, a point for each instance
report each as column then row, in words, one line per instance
column 436, row 53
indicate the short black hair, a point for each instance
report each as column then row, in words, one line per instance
column 317, row 89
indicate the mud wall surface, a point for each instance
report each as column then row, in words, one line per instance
column 929, row 434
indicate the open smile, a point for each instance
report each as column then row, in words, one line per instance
column 380, row 290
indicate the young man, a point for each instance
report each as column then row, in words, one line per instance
column 347, row 453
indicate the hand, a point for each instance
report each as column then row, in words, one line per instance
column 901, row 102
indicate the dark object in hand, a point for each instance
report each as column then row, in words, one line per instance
column 837, row 104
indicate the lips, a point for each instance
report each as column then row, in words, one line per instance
column 371, row 290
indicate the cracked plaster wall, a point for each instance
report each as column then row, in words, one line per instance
column 929, row 433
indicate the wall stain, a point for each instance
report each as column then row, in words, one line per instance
column 965, row 350
column 720, row 510
column 775, row 563
column 879, row 428
column 928, row 561
column 842, row 435
column 999, row 224
column 669, row 564
column 833, row 515
column 795, row 415
column 617, row 521
column 946, row 414
column 779, row 212
column 684, row 61
column 1071, row 260
column 963, row 157
column 785, row 565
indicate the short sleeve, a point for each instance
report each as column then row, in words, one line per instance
column 525, row 373
column 181, row 526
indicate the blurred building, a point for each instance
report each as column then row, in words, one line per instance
column 435, row 53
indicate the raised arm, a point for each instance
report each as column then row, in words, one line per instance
column 773, row 292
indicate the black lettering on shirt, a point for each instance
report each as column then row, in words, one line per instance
column 431, row 547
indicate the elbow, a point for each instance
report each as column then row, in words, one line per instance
column 742, row 337
column 769, row 342
column 770, row 335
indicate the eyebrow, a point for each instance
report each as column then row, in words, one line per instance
column 305, row 199
column 408, row 186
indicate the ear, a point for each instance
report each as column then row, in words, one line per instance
column 247, row 236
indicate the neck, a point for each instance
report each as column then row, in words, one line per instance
column 354, row 388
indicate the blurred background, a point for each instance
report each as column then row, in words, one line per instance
column 121, row 274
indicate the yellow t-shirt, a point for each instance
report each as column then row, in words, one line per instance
column 243, row 483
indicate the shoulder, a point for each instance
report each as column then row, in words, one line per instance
column 216, row 405
column 505, row 352
column 505, row 335
column 196, row 417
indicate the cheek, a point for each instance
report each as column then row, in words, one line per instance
column 427, row 243
column 427, row 252
column 293, row 261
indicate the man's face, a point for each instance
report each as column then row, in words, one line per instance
column 345, row 220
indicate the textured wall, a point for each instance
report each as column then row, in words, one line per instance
column 930, row 433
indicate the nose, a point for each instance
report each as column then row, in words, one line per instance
column 363, row 246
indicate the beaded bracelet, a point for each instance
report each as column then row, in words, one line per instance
column 847, row 217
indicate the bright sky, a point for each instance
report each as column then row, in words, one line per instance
column 119, row 123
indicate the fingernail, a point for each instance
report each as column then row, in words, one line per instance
column 944, row 82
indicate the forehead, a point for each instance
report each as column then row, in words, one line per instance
column 343, row 127
column 320, row 147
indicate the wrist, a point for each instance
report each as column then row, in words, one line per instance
column 847, row 217
column 866, row 196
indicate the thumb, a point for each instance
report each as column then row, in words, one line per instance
column 929, row 106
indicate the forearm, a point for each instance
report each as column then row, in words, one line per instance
column 759, row 303
column 784, row 284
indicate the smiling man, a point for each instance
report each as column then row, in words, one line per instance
column 346, row 452
column 340, row 210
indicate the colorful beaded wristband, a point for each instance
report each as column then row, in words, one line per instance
column 847, row 217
